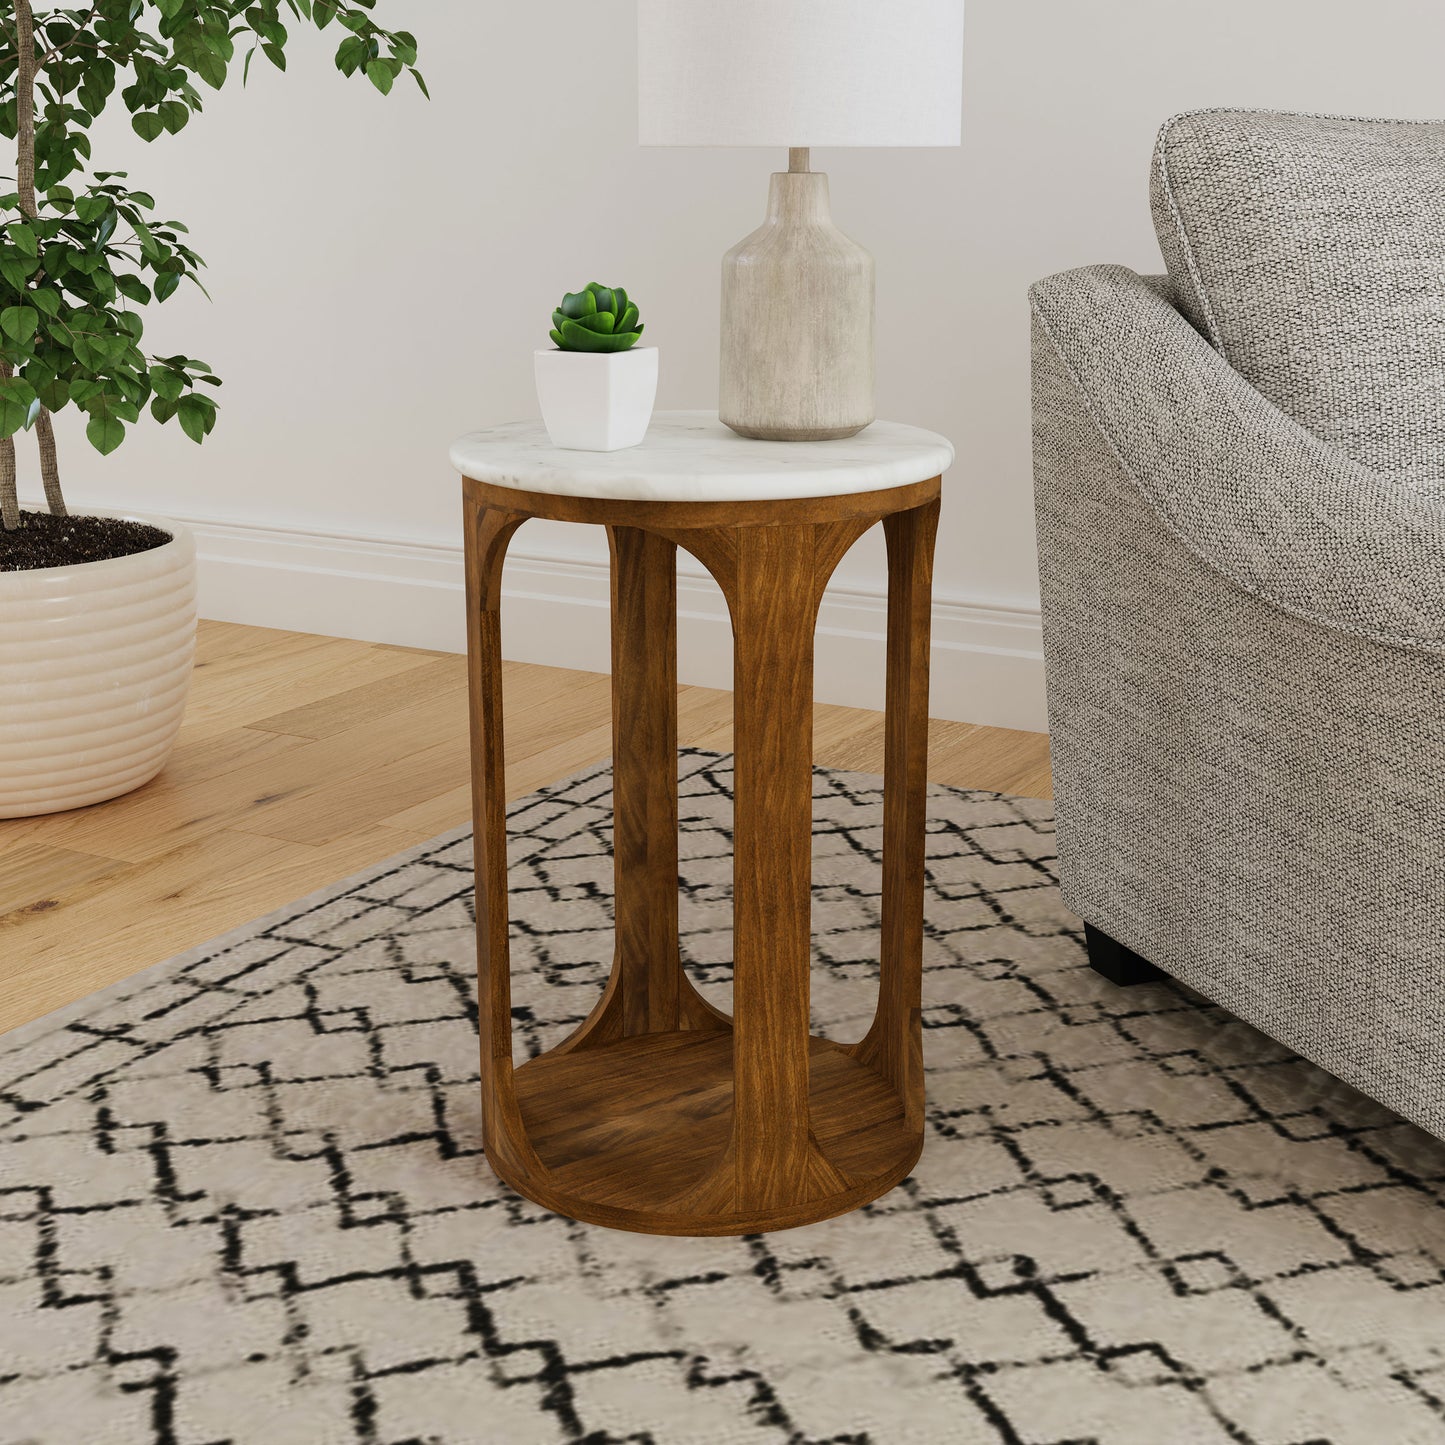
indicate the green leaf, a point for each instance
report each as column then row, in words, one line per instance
column 627, row 321
column 577, row 337
column 91, row 208
column 275, row 55
column 380, row 74
column 603, row 295
column 162, row 409
column 54, row 394
column 196, row 414
column 99, row 350
column 23, row 238
column 166, row 283
column 558, row 340
column 267, row 27
column 130, row 286
column 603, row 322
column 174, row 114
column 98, row 82
column 16, row 397
column 578, row 303
column 351, row 55
column 210, row 67
column 38, row 372
column 105, row 433
column 88, row 352
column 147, row 126
column 46, row 301
column 167, row 383
column 170, row 8
column 421, row 84
column 19, row 322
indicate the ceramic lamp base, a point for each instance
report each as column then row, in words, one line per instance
column 596, row 401
column 797, row 322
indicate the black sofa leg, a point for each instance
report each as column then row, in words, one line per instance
column 1118, row 964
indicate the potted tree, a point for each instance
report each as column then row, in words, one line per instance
column 97, row 613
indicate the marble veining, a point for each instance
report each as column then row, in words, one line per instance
column 690, row 456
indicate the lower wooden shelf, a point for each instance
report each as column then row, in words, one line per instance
column 628, row 1132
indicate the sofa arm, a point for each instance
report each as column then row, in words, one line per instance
column 1250, row 492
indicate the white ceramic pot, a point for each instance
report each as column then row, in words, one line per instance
column 596, row 401
column 95, row 661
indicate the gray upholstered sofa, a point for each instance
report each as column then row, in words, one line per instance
column 1241, row 508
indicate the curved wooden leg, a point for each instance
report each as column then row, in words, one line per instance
column 894, row 1042
column 644, row 777
column 488, row 532
column 648, row 992
column 776, row 1158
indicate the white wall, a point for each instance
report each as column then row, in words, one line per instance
column 382, row 268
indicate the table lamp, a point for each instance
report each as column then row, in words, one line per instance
column 797, row 294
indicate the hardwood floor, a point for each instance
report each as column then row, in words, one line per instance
column 304, row 759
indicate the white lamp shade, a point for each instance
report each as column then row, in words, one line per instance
column 800, row 72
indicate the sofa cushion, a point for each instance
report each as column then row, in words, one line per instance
column 1310, row 250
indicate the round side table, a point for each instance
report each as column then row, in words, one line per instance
column 660, row 1113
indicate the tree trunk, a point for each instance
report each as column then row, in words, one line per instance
column 49, row 466
column 25, row 76
column 9, row 500
column 25, row 106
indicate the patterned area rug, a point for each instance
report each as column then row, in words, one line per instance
column 242, row 1203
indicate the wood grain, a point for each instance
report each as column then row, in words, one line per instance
column 166, row 880
column 775, row 1160
column 647, row 991
column 654, row 1115
column 664, row 1113
column 721, row 518
column 488, row 532
column 894, row 1042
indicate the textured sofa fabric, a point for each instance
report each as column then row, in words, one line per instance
column 1244, row 632
column 1310, row 250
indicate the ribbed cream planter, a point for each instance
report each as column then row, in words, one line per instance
column 95, row 661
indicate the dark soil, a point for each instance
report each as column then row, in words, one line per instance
column 45, row 541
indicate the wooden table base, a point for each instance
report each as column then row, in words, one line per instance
column 659, row 1113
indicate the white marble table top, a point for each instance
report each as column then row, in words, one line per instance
column 690, row 456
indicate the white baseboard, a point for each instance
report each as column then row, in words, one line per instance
column 987, row 662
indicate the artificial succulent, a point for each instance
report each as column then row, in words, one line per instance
column 597, row 318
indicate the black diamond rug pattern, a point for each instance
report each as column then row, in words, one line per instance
column 242, row 1200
